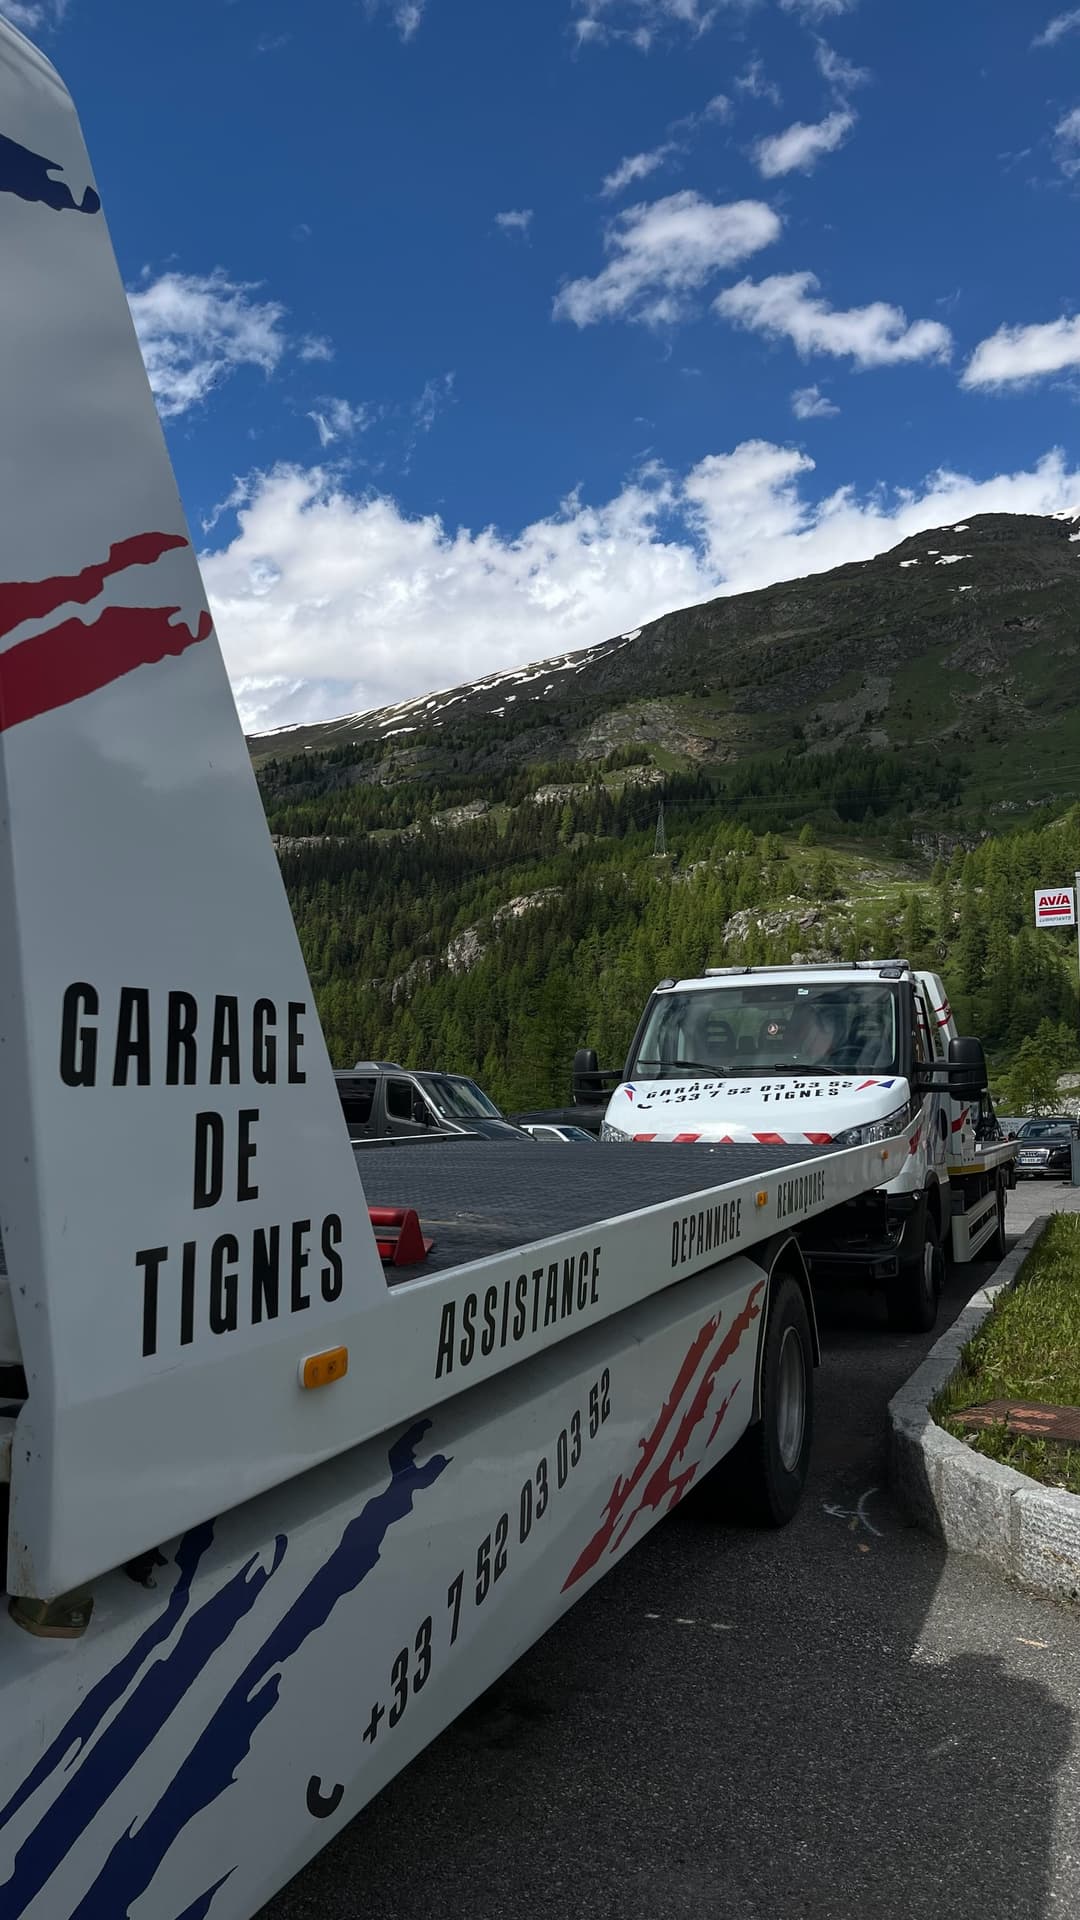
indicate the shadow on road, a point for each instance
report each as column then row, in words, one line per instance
column 829, row 1722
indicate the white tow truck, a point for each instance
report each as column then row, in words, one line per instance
column 290, row 1471
column 826, row 1056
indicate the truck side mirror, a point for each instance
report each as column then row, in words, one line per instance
column 587, row 1085
column 420, row 1113
column 968, row 1078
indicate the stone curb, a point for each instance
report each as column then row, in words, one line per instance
column 1028, row 1531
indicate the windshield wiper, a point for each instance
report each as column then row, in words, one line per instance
column 685, row 1066
column 811, row 1066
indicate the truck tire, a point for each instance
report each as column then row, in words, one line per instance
column 912, row 1298
column 760, row 1482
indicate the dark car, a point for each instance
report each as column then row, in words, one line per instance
column 1044, row 1149
column 382, row 1101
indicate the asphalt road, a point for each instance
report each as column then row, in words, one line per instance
column 834, row 1721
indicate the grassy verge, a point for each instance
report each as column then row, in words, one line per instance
column 1028, row 1349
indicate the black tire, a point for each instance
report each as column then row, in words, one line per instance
column 912, row 1298
column 995, row 1247
column 761, row 1480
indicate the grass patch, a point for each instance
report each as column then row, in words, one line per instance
column 1027, row 1349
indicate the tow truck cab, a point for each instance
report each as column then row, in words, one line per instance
column 836, row 1054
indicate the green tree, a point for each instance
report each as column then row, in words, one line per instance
column 1030, row 1086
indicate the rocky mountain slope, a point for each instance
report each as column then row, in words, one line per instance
column 962, row 641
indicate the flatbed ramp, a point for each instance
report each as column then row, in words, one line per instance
column 476, row 1200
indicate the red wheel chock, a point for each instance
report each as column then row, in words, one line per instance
column 398, row 1236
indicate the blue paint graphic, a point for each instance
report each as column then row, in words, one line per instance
column 212, row 1763
column 30, row 177
column 91, row 1712
column 199, row 1908
column 129, row 1734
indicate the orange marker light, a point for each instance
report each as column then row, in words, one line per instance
column 322, row 1369
column 762, row 1199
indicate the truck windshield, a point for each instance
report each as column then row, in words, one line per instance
column 458, row 1099
column 747, row 1027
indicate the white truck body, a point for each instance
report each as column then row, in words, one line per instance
column 271, row 1521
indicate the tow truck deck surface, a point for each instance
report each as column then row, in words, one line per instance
column 474, row 1203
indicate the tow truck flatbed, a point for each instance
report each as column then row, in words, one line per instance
column 474, row 1205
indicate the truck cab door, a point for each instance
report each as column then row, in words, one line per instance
column 929, row 1049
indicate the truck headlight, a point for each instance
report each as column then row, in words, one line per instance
column 608, row 1132
column 883, row 1129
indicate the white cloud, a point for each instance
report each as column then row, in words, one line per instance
column 809, row 403
column 635, row 166
column 1013, row 356
column 663, row 252
column 339, row 420
column 838, row 72
column 197, row 329
column 640, row 21
column 1057, row 28
column 515, row 220
column 406, row 14
column 1067, row 138
column 436, row 395
column 754, row 81
column 799, row 148
column 819, row 9
column 328, row 602
column 785, row 306
column 638, row 166
column 32, row 15
column 314, row 346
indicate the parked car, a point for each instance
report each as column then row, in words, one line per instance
column 549, row 1130
column 383, row 1101
column 1044, row 1149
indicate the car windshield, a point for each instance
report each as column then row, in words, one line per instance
column 747, row 1027
column 456, row 1098
column 1045, row 1130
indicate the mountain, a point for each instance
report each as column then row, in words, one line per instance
column 876, row 760
column 963, row 641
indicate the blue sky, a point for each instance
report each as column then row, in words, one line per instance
column 482, row 331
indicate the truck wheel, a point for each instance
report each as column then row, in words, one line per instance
column 760, row 1482
column 912, row 1297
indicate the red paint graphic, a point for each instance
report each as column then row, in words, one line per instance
column 654, row 1477
column 770, row 1139
column 913, row 1143
column 66, row 662
column 819, row 1139
column 957, row 1124
column 686, row 1139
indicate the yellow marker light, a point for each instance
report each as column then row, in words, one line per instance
column 762, row 1199
column 322, row 1369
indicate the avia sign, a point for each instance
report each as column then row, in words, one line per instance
column 1055, row 907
